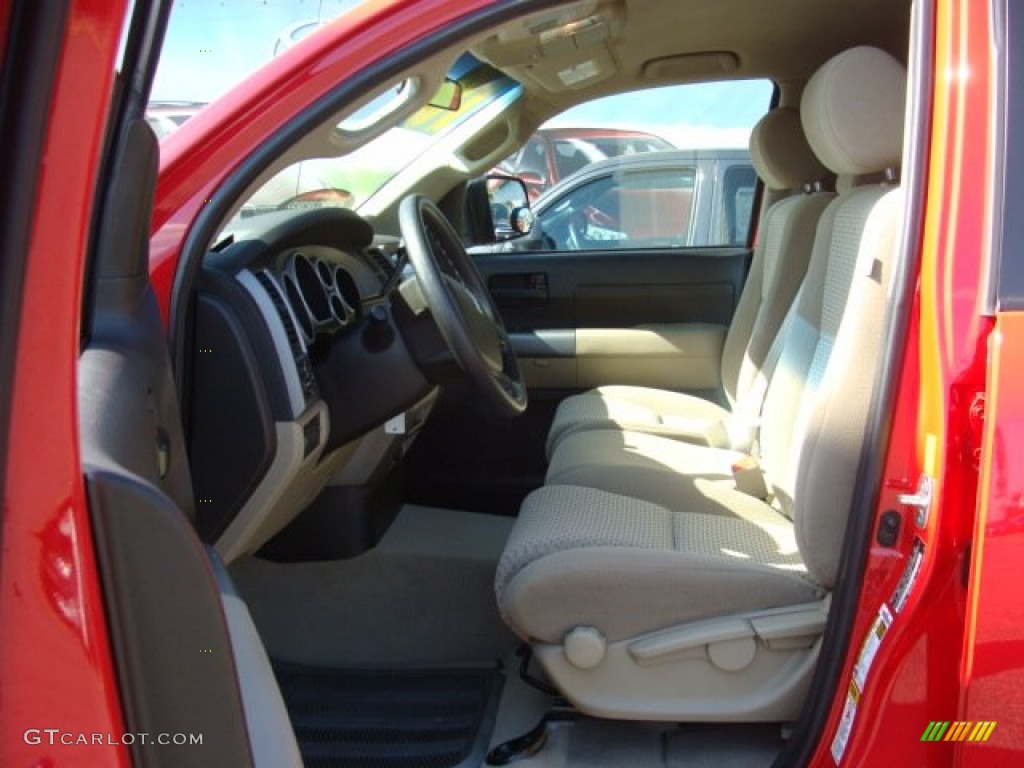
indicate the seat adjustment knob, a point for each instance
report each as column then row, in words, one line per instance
column 584, row 647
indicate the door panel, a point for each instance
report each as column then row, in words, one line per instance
column 683, row 356
column 577, row 320
column 171, row 644
column 649, row 318
column 537, row 291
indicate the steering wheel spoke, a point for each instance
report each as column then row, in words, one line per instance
column 461, row 305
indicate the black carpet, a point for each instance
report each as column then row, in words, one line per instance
column 437, row 718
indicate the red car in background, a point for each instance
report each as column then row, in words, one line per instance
column 182, row 388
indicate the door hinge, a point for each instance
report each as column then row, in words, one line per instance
column 976, row 430
column 965, row 564
column 921, row 499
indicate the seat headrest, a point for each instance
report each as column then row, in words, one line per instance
column 852, row 111
column 780, row 152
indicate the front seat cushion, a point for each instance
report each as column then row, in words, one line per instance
column 584, row 557
column 644, row 409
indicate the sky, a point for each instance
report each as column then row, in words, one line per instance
column 211, row 45
column 700, row 115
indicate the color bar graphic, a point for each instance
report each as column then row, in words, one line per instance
column 944, row 730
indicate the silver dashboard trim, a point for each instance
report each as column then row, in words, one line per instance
column 289, row 369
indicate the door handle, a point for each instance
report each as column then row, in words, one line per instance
column 525, row 286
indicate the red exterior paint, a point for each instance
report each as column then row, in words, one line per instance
column 993, row 669
column 55, row 662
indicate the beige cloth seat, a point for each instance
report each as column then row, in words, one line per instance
column 785, row 162
column 657, row 469
column 714, row 610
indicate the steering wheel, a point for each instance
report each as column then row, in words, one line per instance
column 461, row 305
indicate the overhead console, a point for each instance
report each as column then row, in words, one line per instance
column 560, row 49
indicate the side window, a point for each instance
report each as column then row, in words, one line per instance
column 664, row 167
column 738, row 203
column 631, row 209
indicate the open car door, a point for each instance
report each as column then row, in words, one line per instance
column 157, row 656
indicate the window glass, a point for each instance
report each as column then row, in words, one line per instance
column 212, row 45
column 738, row 202
column 634, row 209
column 351, row 180
column 697, row 189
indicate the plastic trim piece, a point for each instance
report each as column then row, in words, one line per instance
column 296, row 398
column 267, row 511
column 554, row 343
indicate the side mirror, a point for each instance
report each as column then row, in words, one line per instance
column 522, row 220
column 535, row 183
column 497, row 209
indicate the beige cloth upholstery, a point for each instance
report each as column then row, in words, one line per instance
column 781, row 156
column 815, row 406
column 860, row 224
column 619, row 567
column 660, row 470
column 852, row 111
column 833, row 436
column 655, row 411
column 582, row 557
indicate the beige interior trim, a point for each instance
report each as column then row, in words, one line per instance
column 549, row 372
column 692, row 672
column 269, row 508
column 271, row 736
column 672, row 356
column 690, row 340
column 686, row 356
column 365, row 456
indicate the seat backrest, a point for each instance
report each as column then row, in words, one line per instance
column 816, row 407
column 784, row 161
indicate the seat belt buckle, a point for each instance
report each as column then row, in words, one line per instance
column 749, row 478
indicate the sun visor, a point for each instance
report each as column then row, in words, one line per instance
column 692, row 66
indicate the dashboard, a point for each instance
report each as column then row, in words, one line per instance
column 305, row 370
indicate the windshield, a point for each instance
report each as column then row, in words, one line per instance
column 210, row 47
column 426, row 136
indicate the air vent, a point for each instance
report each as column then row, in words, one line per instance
column 282, row 311
column 305, row 370
column 384, row 266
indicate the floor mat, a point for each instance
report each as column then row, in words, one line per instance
column 438, row 718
